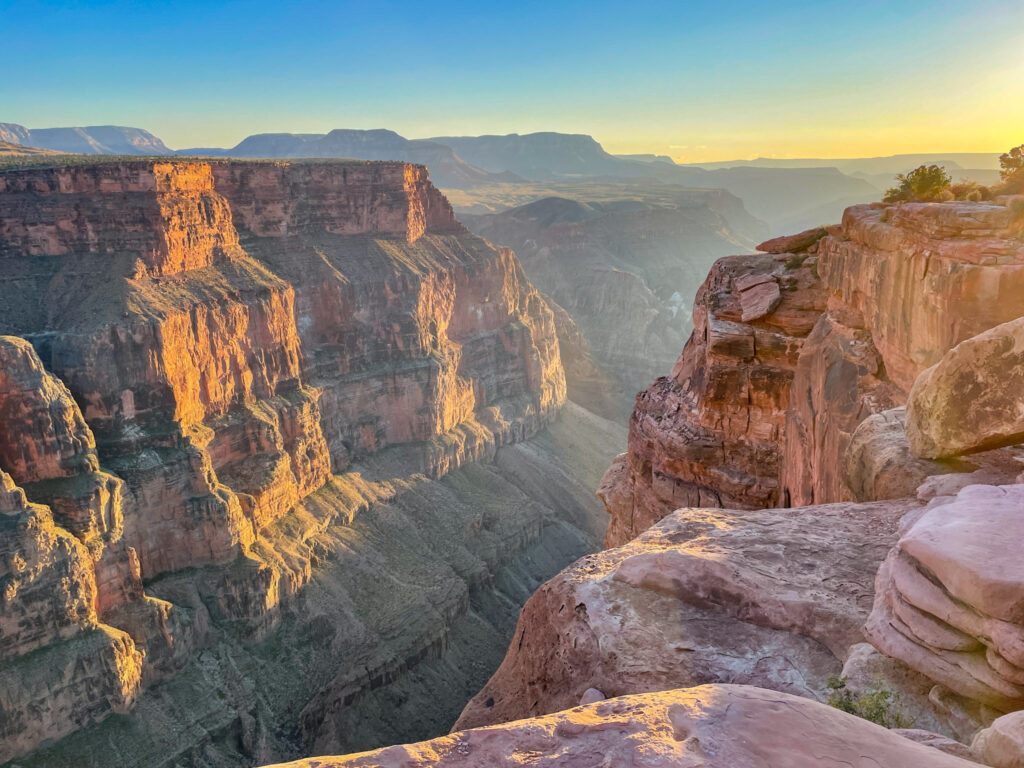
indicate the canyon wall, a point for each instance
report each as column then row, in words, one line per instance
column 794, row 349
column 228, row 394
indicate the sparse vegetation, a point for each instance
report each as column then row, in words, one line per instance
column 926, row 183
column 970, row 190
column 1012, row 162
column 876, row 705
column 1011, row 170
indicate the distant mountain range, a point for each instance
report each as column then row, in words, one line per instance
column 90, row 140
column 446, row 168
column 788, row 194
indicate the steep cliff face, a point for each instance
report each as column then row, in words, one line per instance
column 793, row 351
column 206, row 351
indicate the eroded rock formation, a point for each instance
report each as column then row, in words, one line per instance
column 215, row 369
column 948, row 597
column 762, row 406
column 712, row 433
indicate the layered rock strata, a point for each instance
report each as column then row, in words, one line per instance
column 715, row 726
column 711, row 433
column 792, row 352
column 205, row 349
column 948, row 597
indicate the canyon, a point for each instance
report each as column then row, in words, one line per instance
column 621, row 268
column 289, row 457
column 820, row 505
column 283, row 445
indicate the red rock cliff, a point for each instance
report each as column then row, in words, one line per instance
column 793, row 351
column 203, row 346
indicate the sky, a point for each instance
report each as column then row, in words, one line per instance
column 698, row 81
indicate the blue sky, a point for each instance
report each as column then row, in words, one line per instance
column 694, row 80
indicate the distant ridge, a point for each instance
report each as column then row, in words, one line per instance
column 868, row 165
column 788, row 194
column 445, row 167
column 90, row 140
column 10, row 149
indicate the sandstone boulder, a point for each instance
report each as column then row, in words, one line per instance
column 880, row 465
column 711, row 726
column 973, row 398
column 772, row 598
column 1001, row 745
column 950, row 596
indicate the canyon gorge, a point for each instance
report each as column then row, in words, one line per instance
column 281, row 450
column 295, row 462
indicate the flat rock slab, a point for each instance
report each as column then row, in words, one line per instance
column 758, row 300
column 772, row 598
column 793, row 243
column 710, row 726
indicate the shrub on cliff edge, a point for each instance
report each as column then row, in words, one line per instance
column 1011, row 170
column 926, row 183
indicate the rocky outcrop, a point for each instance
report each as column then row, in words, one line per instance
column 209, row 355
column 797, row 243
column 947, row 598
column 63, row 568
column 970, row 400
column 953, row 270
column 706, row 595
column 717, row 726
column 749, row 422
column 711, row 434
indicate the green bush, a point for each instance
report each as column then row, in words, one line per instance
column 1012, row 162
column 926, row 183
column 1011, row 170
column 970, row 190
column 874, row 705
